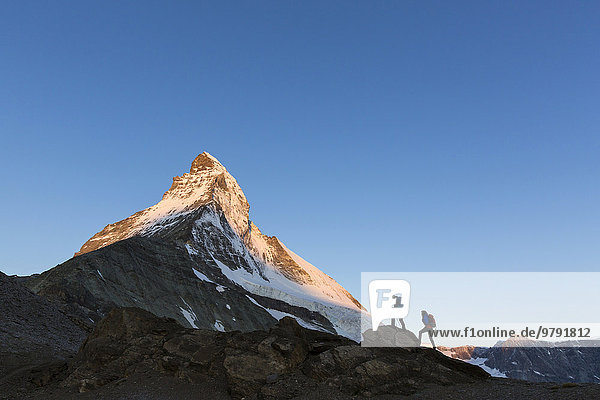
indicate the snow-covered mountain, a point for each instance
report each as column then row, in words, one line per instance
column 205, row 214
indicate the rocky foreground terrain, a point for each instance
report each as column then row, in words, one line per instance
column 132, row 354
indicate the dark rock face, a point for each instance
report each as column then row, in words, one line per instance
column 158, row 276
column 30, row 323
column 279, row 363
column 36, row 338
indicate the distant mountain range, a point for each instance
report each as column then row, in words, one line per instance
column 535, row 361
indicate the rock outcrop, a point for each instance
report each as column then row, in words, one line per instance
column 389, row 336
column 132, row 354
column 279, row 363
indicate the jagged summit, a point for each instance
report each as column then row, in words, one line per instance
column 205, row 161
column 207, row 182
column 206, row 213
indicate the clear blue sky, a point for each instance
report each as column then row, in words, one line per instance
column 368, row 136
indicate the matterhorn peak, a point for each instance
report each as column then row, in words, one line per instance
column 205, row 162
column 208, row 182
column 207, row 176
column 206, row 214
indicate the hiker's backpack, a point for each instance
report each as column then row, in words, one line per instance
column 431, row 320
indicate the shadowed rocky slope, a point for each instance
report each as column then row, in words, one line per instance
column 148, row 273
column 32, row 329
column 34, row 335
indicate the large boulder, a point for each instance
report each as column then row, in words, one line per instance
column 389, row 336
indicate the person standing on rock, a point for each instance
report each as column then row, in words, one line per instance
column 430, row 324
column 400, row 320
column 398, row 299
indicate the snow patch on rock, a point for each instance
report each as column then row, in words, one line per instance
column 480, row 362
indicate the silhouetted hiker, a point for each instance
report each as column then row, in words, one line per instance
column 401, row 322
column 429, row 323
column 398, row 304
